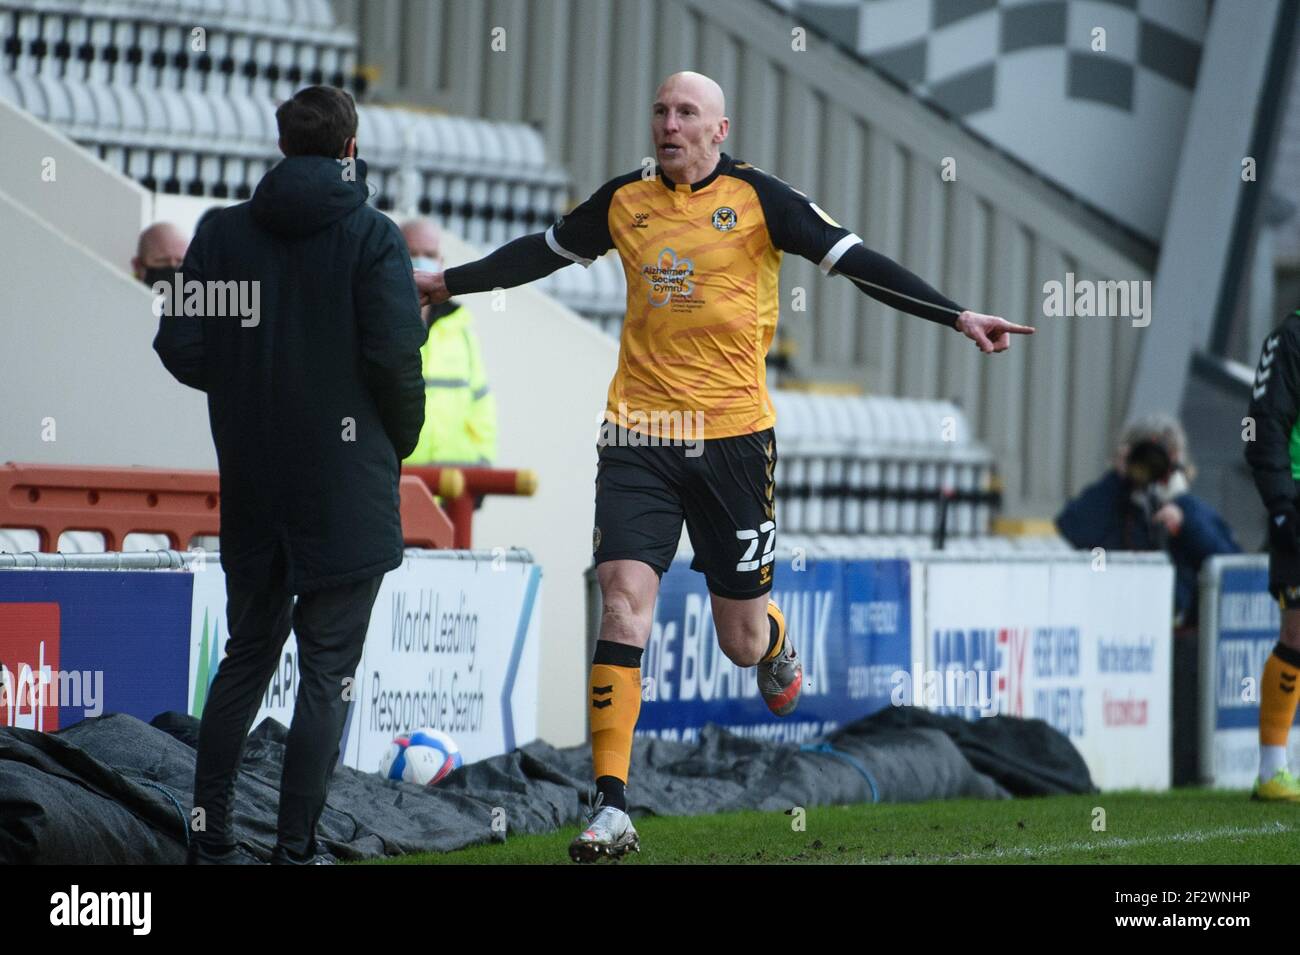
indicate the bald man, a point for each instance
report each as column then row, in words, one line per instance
column 688, row 434
column 460, row 415
column 159, row 253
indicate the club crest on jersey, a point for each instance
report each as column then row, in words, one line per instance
column 724, row 218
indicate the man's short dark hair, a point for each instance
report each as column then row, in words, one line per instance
column 318, row 121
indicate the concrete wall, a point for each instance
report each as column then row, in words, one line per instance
column 77, row 331
column 71, row 189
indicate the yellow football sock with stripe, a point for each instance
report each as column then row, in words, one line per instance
column 1277, row 703
column 776, row 624
column 615, row 703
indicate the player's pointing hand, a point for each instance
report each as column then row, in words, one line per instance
column 432, row 288
column 990, row 333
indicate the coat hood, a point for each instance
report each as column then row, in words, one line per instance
column 302, row 195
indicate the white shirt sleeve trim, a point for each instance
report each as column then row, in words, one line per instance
column 838, row 249
column 558, row 249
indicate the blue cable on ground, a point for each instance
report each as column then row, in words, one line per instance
column 830, row 750
column 180, row 810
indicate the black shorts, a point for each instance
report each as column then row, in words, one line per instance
column 723, row 488
column 1284, row 578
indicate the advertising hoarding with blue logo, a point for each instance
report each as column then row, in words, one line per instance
column 851, row 624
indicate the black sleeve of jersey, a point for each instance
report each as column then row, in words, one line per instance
column 794, row 221
column 796, row 224
column 1273, row 406
column 583, row 235
column 522, row 260
column 886, row 281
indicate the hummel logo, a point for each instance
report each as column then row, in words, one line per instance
column 1261, row 381
column 640, row 220
column 1265, row 360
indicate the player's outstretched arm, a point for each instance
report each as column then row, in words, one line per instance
column 518, row 262
column 798, row 225
column 580, row 236
column 886, row 281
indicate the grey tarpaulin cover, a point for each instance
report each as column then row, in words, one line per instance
column 117, row 790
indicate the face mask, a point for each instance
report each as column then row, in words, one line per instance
column 426, row 264
column 162, row 273
column 1175, row 486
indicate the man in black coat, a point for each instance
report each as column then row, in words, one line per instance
column 311, row 364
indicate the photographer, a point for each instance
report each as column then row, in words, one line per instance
column 1143, row 503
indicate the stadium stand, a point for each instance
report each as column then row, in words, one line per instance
column 128, row 84
column 879, row 466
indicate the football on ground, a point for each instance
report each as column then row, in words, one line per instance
column 424, row 757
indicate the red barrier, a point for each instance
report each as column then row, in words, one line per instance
column 459, row 504
column 424, row 523
column 180, row 504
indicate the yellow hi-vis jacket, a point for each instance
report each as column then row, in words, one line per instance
column 460, row 415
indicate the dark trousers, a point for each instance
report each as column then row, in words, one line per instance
column 330, row 626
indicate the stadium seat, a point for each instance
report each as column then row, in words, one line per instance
column 123, row 81
column 876, row 466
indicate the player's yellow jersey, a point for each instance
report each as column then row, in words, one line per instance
column 702, row 263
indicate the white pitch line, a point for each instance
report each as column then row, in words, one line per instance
column 1024, row 852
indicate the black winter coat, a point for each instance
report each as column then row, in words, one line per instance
column 315, row 400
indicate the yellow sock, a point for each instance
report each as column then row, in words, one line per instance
column 615, row 705
column 1277, row 698
column 775, row 619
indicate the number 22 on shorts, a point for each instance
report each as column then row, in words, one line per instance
column 747, row 562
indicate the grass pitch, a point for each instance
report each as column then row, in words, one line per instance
column 1187, row 826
